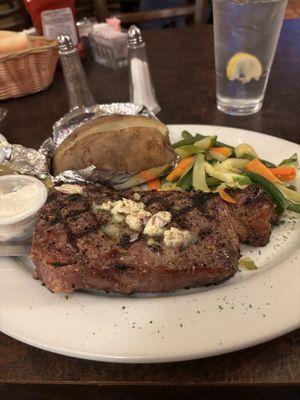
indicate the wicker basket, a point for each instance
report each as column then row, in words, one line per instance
column 28, row 71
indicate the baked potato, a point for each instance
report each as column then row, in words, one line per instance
column 115, row 143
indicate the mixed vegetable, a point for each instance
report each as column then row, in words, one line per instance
column 208, row 165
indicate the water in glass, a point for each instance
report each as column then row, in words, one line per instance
column 246, row 33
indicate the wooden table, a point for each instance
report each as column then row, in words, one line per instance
column 183, row 72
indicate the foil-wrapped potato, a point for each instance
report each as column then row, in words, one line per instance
column 115, row 143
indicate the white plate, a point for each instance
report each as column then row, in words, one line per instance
column 252, row 307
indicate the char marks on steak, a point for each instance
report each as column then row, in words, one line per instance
column 72, row 250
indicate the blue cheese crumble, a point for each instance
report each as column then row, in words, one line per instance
column 155, row 225
column 176, row 237
column 140, row 220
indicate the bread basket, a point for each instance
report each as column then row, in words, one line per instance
column 28, row 71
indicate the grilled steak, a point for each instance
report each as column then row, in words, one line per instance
column 78, row 244
column 252, row 215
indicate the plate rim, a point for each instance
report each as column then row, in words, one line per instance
column 173, row 358
column 154, row 360
column 238, row 129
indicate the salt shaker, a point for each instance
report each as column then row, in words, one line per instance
column 141, row 87
column 78, row 89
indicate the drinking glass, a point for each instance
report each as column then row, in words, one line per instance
column 246, row 33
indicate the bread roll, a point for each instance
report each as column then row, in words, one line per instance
column 11, row 42
column 4, row 34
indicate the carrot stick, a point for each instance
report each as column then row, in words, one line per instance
column 259, row 168
column 226, row 151
column 286, row 178
column 284, row 173
column 179, row 169
column 155, row 184
column 225, row 196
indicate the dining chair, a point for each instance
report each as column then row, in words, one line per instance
column 13, row 15
column 197, row 10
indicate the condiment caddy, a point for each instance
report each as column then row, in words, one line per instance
column 109, row 45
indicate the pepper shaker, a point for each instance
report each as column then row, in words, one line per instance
column 140, row 82
column 79, row 93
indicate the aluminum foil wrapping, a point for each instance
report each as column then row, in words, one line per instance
column 17, row 158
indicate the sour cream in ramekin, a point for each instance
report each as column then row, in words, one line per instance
column 21, row 198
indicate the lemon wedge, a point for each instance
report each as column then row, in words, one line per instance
column 244, row 67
